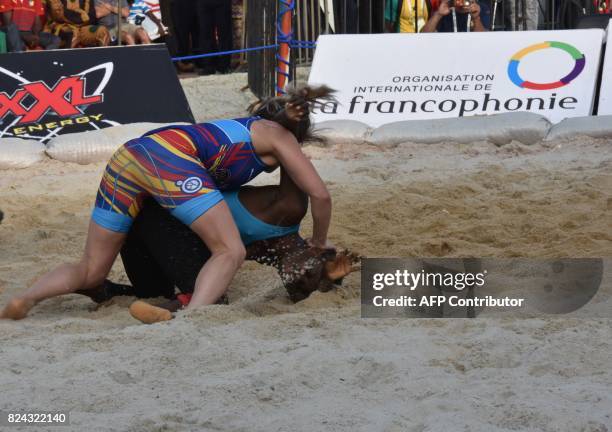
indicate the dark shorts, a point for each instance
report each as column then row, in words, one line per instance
column 160, row 253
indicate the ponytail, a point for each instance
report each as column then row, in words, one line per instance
column 309, row 97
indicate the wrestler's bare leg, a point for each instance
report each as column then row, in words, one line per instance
column 101, row 249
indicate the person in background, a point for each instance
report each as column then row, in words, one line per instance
column 442, row 19
column 603, row 6
column 73, row 21
column 107, row 12
column 401, row 16
column 8, row 28
column 215, row 19
column 22, row 22
column 141, row 14
column 186, row 30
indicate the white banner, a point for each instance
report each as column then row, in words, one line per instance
column 605, row 91
column 392, row 77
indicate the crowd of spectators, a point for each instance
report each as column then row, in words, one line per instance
column 207, row 26
column 204, row 26
column 200, row 26
column 427, row 16
column 52, row 24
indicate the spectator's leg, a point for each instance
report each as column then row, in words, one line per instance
column 194, row 28
column 170, row 41
column 24, row 36
column 141, row 36
column 352, row 16
column 93, row 36
column 13, row 38
column 223, row 21
column 102, row 35
column 49, row 41
column 70, row 38
column 206, row 32
column 181, row 19
column 127, row 38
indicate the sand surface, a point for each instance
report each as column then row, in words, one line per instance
column 264, row 364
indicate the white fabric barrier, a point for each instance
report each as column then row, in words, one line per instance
column 527, row 128
column 592, row 126
column 19, row 153
column 96, row 146
column 343, row 131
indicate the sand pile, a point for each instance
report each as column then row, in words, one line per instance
column 263, row 363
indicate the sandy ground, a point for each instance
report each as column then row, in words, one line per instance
column 264, row 364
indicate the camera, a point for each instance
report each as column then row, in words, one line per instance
column 459, row 3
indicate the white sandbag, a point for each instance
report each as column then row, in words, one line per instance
column 592, row 126
column 527, row 128
column 343, row 131
column 20, row 153
column 95, row 146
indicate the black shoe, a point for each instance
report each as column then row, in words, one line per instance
column 184, row 67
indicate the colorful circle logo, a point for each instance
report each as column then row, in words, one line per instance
column 190, row 185
column 520, row 82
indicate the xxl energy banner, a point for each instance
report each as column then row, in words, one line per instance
column 605, row 92
column 392, row 77
column 48, row 93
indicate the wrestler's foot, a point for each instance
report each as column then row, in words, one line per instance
column 107, row 291
column 97, row 295
column 17, row 309
column 149, row 314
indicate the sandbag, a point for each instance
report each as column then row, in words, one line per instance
column 592, row 126
column 96, row 146
column 343, row 131
column 20, row 153
column 527, row 128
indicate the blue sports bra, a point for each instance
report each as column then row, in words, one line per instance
column 252, row 229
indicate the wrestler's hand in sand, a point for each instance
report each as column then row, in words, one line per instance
column 345, row 262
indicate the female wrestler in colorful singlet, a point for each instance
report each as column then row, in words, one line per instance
column 183, row 168
column 161, row 255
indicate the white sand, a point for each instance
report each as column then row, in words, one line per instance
column 264, row 364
